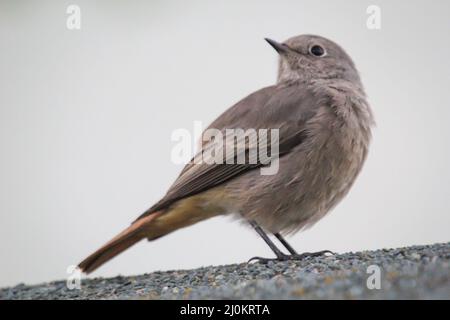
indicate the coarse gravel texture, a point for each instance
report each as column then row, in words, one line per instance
column 416, row 272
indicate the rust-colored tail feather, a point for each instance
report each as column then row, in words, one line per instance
column 118, row 244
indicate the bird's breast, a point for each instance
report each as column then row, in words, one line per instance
column 339, row 139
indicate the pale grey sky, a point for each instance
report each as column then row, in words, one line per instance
column 86, row 118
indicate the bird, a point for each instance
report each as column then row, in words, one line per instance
column 324, row 122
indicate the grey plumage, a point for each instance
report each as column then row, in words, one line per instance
column 321, row 103
column 324, row 121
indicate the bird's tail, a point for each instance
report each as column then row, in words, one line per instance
column 153, row 226
column 121, row 242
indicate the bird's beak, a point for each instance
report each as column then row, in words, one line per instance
column 279, row 47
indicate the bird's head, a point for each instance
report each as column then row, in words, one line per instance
column 307, row 57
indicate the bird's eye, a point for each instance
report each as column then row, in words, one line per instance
column 317, row 51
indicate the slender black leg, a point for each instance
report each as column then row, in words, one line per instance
column 269, row 242
column 285, row 243
column 294, row 254
column 280, row 255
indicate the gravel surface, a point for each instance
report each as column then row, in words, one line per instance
column 417, row 272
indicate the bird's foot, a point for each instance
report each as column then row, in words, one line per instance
column 286, row 257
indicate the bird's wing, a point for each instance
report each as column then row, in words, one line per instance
column 283, row 108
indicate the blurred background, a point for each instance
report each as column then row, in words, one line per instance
column 86, row 118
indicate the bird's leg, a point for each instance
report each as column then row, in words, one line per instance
column 294, row 254
column 280, row 255
column 285, row 243
column 269, row 242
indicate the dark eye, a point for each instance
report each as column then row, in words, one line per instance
column 317, row 51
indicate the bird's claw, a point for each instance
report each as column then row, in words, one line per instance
column 286, row 257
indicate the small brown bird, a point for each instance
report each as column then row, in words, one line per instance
column 319, row 107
